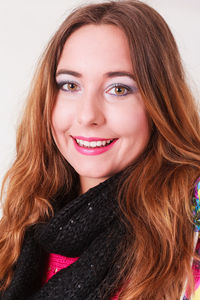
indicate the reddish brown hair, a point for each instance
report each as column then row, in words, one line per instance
column 155, row 197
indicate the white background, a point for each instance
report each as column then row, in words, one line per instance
column 26, row 27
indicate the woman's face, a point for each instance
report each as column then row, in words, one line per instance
column 99, row 120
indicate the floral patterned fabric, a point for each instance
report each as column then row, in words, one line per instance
column 196, row 206
column 196, row 214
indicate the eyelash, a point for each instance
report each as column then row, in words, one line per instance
column 129, row 90
column 62, row 83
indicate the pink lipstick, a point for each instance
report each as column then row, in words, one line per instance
column 92, row 145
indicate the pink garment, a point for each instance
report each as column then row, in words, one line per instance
column 196, row 268
column 58, row 262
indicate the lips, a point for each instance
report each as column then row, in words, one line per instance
column 92, row 145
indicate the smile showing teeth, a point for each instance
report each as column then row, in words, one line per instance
column 93, row 144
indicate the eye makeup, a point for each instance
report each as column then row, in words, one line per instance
column 67, row 85
column 122, row 87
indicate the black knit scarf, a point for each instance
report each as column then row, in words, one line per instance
column 87, row 227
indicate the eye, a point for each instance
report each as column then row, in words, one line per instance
column 120, row 90
column 68, row 86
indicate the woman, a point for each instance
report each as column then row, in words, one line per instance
column 99, row 199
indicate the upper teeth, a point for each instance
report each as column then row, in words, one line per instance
column 93, row 144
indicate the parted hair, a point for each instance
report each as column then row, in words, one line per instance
column 155, row 197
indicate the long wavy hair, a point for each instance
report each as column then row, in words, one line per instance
column 155, row 197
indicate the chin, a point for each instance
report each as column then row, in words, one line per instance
column 93, row 173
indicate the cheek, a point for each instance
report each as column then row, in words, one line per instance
column 61, row 117
column 131, row 120
column 138, row 123
column 61, row 123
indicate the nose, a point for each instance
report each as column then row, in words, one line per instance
column 90, row 110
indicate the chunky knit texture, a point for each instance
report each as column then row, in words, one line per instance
column 56, row 262
column 87, row 227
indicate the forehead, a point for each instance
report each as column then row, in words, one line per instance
column 105, row 46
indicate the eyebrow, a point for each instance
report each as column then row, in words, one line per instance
column 108, row 74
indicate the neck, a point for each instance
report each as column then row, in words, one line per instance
column 87, row 183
